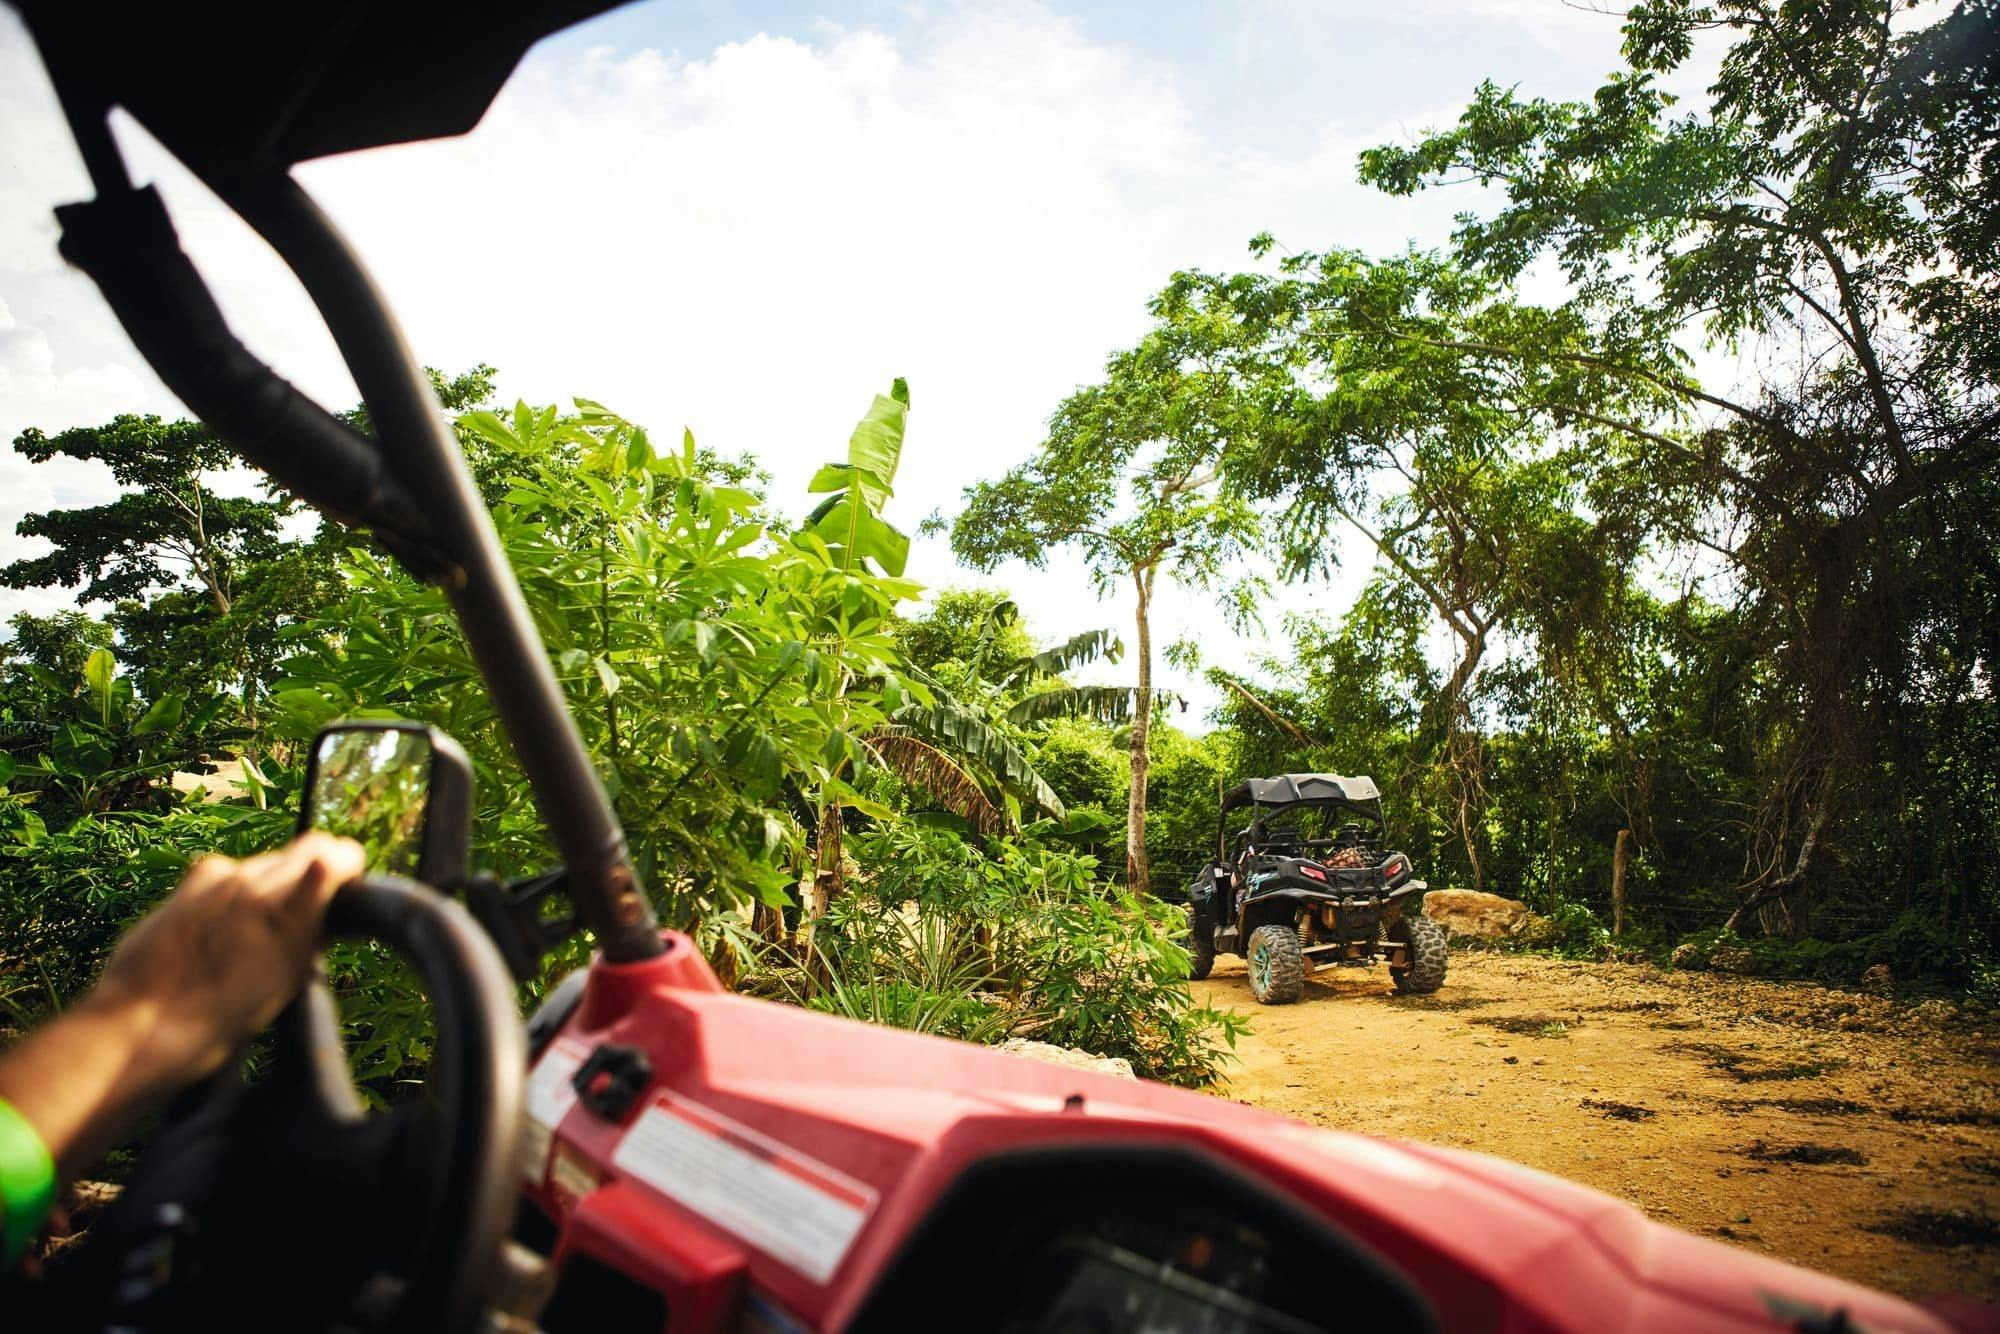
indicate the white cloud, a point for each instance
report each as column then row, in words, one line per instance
column 34, row 391
column 754, row 240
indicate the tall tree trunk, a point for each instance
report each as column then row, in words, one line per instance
column 1464, row 755
column 1775, row 890
column 830, row 878
column 1138, row 874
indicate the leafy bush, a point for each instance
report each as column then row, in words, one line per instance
column 73, row 892
column 1917, row 950
column 914, row 970
column 739, row 685
column 1569, row 930
column 1578, row 933
column 1078, row 759
column 1020, row 939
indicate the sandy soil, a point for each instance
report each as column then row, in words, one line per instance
column 1840, row 1131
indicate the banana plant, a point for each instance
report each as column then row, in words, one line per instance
column 103, row 745
column 849, row 521
column 1037, row 677
column 961, row 758
column 966, row 761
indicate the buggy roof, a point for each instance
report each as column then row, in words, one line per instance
column 1305, row 790
column 237, row 80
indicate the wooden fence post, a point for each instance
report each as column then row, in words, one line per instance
column 1620, row 855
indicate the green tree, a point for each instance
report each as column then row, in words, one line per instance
column 203, row 585
column 1834, row 204
column 1127, row 477
column 102, row 746
column 959, row 626
column 58, row 642
column 168, row 526
column 1340, row 418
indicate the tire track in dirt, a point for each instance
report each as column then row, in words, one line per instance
column 1839, row 1131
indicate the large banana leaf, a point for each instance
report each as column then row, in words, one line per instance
column 849, row 521
column 923, row 766
column 963, row 733
column 1110, row 705
column 1073, row 652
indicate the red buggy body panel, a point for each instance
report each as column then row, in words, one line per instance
column 778, row 1160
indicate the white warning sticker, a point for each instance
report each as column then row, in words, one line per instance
column 787, row 1205
column 550, row 1096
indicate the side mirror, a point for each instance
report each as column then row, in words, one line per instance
column 401, row 790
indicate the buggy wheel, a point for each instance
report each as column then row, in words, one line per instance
column 1277, row 965
column 1425, row 940
column 1201, row 948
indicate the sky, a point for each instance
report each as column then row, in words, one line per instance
column 748, row 218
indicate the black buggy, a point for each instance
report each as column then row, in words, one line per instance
column 1310, row 886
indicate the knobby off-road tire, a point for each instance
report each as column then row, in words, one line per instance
column 1427, row 954
column 1201, row 948
column 1277, row 965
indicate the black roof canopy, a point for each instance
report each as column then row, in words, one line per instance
column 243, row 82
column 1306, row 790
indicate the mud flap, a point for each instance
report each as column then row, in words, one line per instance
column 1401, row 901
column 1201, row 899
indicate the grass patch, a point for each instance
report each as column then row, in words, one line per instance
column 1922, row 955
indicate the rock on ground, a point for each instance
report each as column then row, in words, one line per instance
column 1732, row 959
column 1467, row 912
column 1070, row 1056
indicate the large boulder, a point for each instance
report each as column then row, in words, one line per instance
column 1070, row 1056
column 1467, row 912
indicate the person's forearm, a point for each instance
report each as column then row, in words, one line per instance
column 80, row 1080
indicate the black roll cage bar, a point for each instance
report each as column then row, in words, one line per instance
column 1367, row 810
column 1296, row 792
column 408, row 484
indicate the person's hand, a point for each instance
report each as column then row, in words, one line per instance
column 217, row 960
column 185, row 988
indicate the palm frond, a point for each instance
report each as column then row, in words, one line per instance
column 961, row 732
column 1110, row 705
column 1073, row 652
column 997, row 618
column 921, row 765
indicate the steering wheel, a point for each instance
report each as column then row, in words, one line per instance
column 286, row 1204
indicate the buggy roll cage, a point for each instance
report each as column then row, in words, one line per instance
column 239, row 91
column 1287, row 791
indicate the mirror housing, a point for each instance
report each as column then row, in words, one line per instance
column 416, row 783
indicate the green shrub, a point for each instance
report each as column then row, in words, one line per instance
column 1018, row 939
column 1569, row 930
column 1917, row 950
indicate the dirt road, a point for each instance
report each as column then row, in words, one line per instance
column 1839, row 1131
